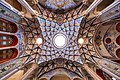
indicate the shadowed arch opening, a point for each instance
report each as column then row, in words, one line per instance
column 60, row 77
column 76, row 79
column 8, row 40
column 43, row 79
column 7, row 26
column 8, row 54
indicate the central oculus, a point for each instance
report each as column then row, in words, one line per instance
column 60, row 40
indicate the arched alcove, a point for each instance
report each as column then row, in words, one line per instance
column 118, row 40
column 7, row 26
column 118, row 53
column 76, row 79
column 8, row 54
column 118, row 27
column 60, row 77
column 8, row 40
column 43, row 79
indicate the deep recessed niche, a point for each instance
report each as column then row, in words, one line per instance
column 108, row 40
column 7, row 26
column 8, row 54
column 118, row 40
column 118, row 27
column 7, row 40
column 118, row 53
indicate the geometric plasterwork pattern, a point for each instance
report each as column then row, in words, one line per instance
column 87, row 32
column 46, row 26
column 47, row 29
column 31, row 32
column 60, row 63
column 70, row 30
column 60, row 18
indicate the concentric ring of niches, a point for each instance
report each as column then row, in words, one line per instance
column 112, row 38
column 118, row 39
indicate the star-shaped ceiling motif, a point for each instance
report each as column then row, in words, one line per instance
column 69, row 30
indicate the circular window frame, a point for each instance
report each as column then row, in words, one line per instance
column 59, row 34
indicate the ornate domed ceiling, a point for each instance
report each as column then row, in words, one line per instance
column 71, row 36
